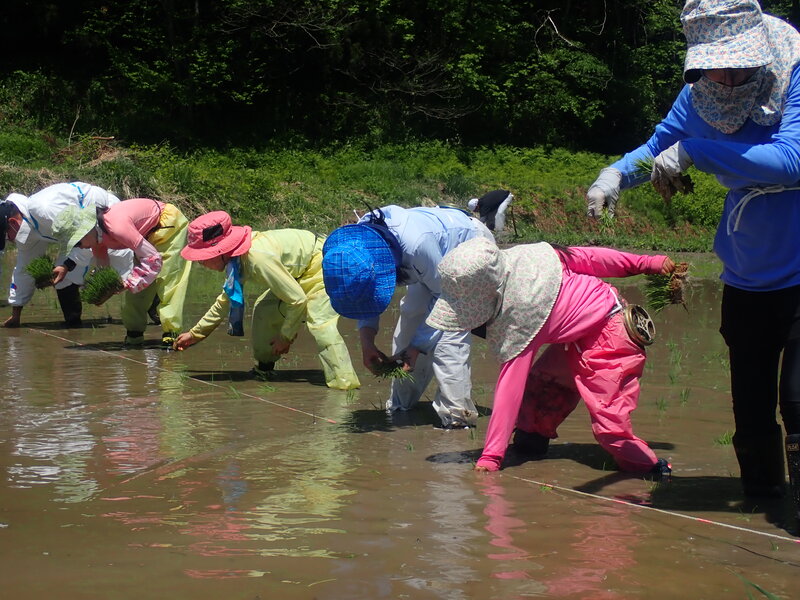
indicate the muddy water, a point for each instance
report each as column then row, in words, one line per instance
column 151, row 474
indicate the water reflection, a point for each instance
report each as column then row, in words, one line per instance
column 592, row 552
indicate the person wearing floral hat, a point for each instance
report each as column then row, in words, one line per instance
column 738, row 117
column 364, row 262
column 156, row 233
column 287, row 263
column 28, row 222
column 537, row 294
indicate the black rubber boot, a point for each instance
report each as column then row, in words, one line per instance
column 793, row 460
column 531, row 444
column 263, row 371
column 70, row 300
column 134, row 338
column 761, row 463
column 152, row 312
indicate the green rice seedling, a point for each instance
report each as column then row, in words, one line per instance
column 410, row 447
column 673, row 376
column 675, row 356
column 100, row 285
column 764, row 593
column 662, row 290
column 726, row 439
column 644, row 166
column 393, row 370
column 41, row 269
column 684, row 396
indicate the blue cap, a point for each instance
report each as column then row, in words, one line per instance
column 359, row 271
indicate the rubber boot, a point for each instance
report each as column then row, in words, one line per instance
column 793, row 460
column 532, row 444
column 70, row 300
column 152, row 312
column 134, row 338
column 761, row 463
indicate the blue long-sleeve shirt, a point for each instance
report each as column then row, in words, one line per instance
column 763, row 253
column 425, row 235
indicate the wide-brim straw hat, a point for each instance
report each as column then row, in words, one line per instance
column 213, row 234
column 724, row 34
column 72, row 224
column 359, row 271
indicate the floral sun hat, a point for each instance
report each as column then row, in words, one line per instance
column 735, row 34
column 511, row 291
column 723, row 34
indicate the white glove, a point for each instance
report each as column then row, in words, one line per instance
column 668, row 167
column 603, row 192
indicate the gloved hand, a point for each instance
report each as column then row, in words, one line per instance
column 603, row 192
column 668, row 167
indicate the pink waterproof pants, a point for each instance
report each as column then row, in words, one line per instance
column 603, row 369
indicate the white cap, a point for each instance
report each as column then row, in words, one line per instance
column 473, row 204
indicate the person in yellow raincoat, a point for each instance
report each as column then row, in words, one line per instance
column 156, row 232
column 289, row 263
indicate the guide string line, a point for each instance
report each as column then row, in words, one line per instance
column 654, row 509
column 567, row 490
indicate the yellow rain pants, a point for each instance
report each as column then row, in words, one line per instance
column 289, row 262
column 171, row 283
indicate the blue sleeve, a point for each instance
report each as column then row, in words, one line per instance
column 772, row 159
column 672, row 129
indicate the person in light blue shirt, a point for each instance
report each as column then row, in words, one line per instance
column 362, row 265
column 738, row 118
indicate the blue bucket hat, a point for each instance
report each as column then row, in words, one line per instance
column 359, row 271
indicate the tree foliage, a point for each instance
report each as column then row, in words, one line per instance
column 589, row 75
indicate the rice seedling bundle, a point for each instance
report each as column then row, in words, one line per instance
column 644, row 166
column 41, row 269
column 392, row 370
column 100, row 285
column 663, row 290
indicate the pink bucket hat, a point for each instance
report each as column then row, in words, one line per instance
column 723, row 34
column 212, row 235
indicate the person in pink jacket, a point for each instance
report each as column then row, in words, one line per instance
column 537, row 294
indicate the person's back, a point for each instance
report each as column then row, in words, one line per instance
column 492, row 207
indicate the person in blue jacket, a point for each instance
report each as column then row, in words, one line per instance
column 363, row 263
column 738, row 117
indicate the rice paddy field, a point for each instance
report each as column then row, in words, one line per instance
column 144, row 473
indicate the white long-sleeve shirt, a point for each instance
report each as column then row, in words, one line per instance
column 36, row 232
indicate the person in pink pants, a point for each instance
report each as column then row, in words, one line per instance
column 537, row 294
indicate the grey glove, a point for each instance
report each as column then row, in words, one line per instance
column 603, row 192
column 668, row 167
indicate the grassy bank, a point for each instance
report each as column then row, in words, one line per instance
column 318, row 189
